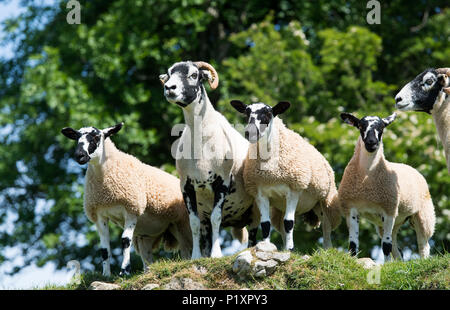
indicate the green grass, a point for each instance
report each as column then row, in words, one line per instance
column 326, row 269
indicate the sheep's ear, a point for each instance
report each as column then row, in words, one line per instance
column 350, row 119
column 280, row 107
column 112, row 130
column 71, row 133
column 238, row 105
column 388, row 120
column 163, row 78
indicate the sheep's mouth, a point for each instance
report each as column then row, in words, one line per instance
column 181, row 104
column 401, row 106
column 82, row 160
column 371, row 148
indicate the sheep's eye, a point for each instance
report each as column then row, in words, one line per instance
column 194, row 76
column 97, row 139
column 429, row 81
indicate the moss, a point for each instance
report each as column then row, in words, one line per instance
column 325, row 270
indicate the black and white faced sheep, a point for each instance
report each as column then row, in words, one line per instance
column 385, row 193
column 145, row 201
column 209, row 160
column 285, row 172
column 430, row 92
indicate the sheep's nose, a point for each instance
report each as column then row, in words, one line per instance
column 398, row 99
column 170, row 87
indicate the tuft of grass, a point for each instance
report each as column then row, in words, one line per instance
column 325, row 270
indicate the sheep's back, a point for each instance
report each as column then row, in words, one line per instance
column 299, row 165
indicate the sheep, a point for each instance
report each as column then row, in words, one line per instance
column 145, row 201
column 430, row 92
column 283, row 170
column 385, row 193
column 209, row 157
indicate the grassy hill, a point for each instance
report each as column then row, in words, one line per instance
column 326, row 269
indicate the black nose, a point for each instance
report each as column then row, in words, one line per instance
column 398, row 99
column 170, row 87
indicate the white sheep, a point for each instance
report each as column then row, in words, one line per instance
column 145, row 201
column 430, row 92
column 284, row 171
column 387, row 194
column 209, row 159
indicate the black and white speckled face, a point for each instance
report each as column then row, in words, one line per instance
column 259, row 117
column 420, row 94
column 89, row 141
column 370, row 127
column 183, row 82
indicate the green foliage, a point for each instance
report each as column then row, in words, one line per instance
column 323, row 57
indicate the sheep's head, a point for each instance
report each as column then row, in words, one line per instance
column 421, row 93
column 370, row 127
column 259, row 117
column 89, row 141
column 183, row 81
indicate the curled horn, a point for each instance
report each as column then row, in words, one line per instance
column 215, row 77
column 445, row 71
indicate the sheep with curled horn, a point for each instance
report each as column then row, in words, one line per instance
column 430, row 92
column 209, row 159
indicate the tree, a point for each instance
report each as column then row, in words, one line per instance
column 321, row 56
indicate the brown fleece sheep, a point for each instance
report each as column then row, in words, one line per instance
column 283, row 168
column 387, row 194
column 145, row 201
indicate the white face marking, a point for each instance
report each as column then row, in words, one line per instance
column 406, row 104
column 174, row 86
column 84, row 132
column 372, row 121
column 255, row 108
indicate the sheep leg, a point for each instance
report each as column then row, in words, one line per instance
column 396, row 252
column 326, row 232
column 127, row 235
column 326, row 226
column 190, row 200
column 292, row 198
column 418, row 223
column 145, row 246
column 386, row 243
column 105, row 250
column 263, row 205
column 220, row 191
column 353, row 230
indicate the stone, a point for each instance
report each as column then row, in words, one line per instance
column 265, row 246
column 282, row 256
column 269, row 266
column 366, row 262
column 260, row 274
column 150, row 286
column 103, row 286
column 243, row 259
column 264, row 255
column 183, row 284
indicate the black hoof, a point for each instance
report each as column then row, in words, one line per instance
column 125, row 272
